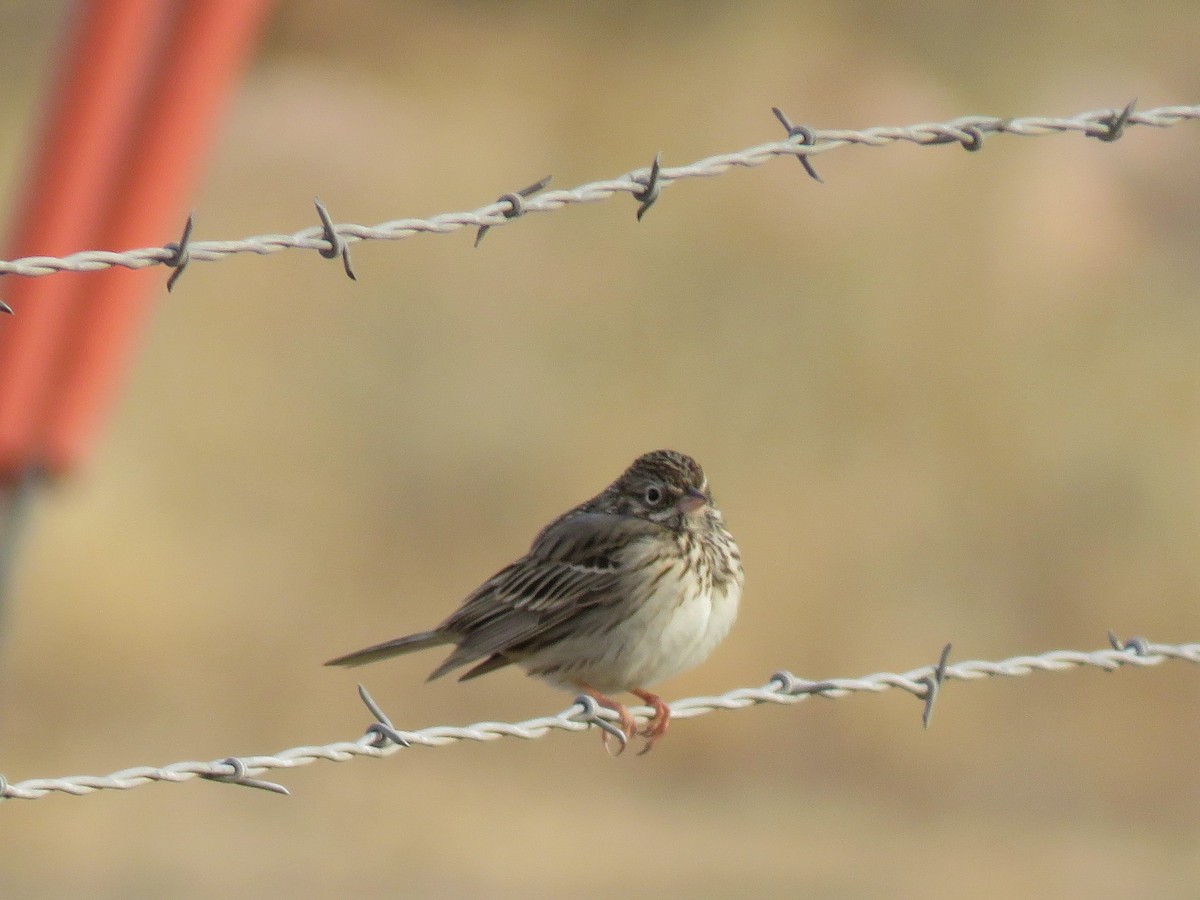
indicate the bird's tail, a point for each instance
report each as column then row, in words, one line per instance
column 394, row 647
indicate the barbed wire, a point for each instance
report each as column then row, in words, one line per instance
column 645, row 185
column 382, row 739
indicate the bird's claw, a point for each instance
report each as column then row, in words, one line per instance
column 657, row 726
column 625, row 728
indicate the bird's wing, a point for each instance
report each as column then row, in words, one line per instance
column 573, row 566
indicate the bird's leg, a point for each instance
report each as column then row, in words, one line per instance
column 624, row 717
column 657, row 726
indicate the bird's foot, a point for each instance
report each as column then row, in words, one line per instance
column 657, row 726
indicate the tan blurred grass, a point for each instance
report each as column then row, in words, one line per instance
column 942, row 397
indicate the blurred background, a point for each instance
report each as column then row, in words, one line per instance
column 942, row 397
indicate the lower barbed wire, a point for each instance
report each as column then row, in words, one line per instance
column 383, row 739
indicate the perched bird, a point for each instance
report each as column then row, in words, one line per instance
column 629, row 588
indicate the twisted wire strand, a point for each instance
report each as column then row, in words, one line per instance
column 969, row 131
column 382, row 740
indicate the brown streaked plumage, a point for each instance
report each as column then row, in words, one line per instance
column 630, row 587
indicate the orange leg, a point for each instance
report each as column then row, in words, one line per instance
column 624, row 717
column 657, row 726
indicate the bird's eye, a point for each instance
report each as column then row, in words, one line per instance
column 654, row 495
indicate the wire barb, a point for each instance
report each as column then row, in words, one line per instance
column 6, row 309
column 1115, row 125
column 381, row 730
column 516, row 205
column 1138, row 645
column 337, row 244
column 592, row 715
column 972, row 139
column 791, row 686
column 180, row 252
column 933, row 682
column 651, row 188
column 808, row 138
column 238, row 776
column 786, row 682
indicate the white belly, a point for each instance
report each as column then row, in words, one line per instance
column 665, row 635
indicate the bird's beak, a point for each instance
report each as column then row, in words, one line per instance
column 693, row 501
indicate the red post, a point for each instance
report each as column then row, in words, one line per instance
column 105, row 64
column 128, row 182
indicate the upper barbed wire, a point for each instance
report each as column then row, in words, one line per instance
column 382, row 738
column 644, row 183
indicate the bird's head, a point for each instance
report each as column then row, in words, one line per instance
column 663, row 486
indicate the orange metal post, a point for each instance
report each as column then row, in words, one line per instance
column 106, row 58
column 143, row 85
column 208, row 46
